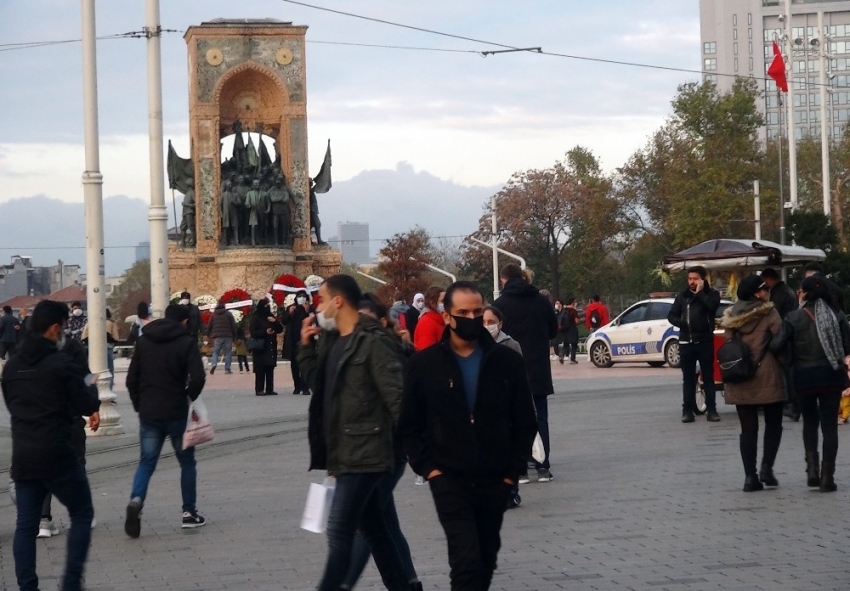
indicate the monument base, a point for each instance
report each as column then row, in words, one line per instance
column 253, row 269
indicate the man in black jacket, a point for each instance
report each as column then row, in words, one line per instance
column 45, row 393
column 467, row 424
column 693, row 313
column 530, row 320
column 165, row 373
column 193, row 326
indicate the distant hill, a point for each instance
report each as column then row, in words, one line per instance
column 393, row 201
column 390, row 201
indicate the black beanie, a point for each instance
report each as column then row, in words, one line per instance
column 749, row 286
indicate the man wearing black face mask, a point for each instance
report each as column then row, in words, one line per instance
column 467, row 423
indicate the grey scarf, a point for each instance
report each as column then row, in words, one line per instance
column 829, row 334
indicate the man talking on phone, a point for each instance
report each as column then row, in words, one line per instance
column 693, row 313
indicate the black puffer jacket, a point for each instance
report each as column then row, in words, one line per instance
column 222, row 324
column 45, row 393
column 693, row 313
column 166, row 369
column 438, row 429
column 530, row 321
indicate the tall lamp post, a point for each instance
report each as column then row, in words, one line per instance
column 110, row 420
column 158, row 213
column 792, row 143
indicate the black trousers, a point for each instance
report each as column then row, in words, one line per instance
column 297, row 380
column 690, row 354
column 748, row 414
column 820, row 408
column 471, row 515
column 263, row 378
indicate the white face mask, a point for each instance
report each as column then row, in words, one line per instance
column 77, row 312
column 324, row 322
column 419, row 304
column 440, row 307
column 184, row 302
column 493, row 329
column 301, row 300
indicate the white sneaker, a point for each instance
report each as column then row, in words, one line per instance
column 47, row 529
column 420, row 480
column 524, row 479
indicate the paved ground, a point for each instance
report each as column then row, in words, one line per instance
column 640, row 501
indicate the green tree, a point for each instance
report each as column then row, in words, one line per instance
column 543, row 214
column 693, row 181
column 135, row 288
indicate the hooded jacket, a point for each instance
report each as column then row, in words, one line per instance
column 759, row 325
column 166, row 371
column 693, row 314
column 355, row 432
column 530, row 320
column 45, row 393
column 222, row 324
column 438, row 429
column 429, row 329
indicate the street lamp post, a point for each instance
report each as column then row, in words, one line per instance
column 823, row 47
column 792, row 144
column 158, row 213
column 110, row 420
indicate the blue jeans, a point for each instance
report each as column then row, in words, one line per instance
column 227, row 344
column 110, row 363
column 72, row 490
column 359, row 503
column 152, row 435
column 361, row 550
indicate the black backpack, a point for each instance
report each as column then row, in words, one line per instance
column 736, row 360
column 595, row 319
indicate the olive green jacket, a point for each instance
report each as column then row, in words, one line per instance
column 355, row 433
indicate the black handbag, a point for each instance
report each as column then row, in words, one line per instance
column 255, row 345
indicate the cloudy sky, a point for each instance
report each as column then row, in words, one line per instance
column 459, row 116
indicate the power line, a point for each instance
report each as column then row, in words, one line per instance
column 394, row 46
column 35, row 44
column 535, row 50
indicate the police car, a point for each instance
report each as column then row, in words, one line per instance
column 640, row 333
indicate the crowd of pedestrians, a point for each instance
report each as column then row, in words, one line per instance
column 451, row 385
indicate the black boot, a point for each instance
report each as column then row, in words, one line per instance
column 827, row 477
column 749, row 449
column 772, row 438
column 417, row 586
column 766, row 475
column 812, row 473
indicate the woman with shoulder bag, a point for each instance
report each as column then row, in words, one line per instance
column 820, row 341
column 754, row 319
column 266, row 327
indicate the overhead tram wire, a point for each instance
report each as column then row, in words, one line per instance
column 36, row 44
column 511, row 49
column 535, row 50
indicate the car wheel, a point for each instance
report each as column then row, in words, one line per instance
column 600, row 355
column 700, row 406
column 671, row 354
column 655, row 363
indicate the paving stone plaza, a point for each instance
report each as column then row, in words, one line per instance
column 639, row 501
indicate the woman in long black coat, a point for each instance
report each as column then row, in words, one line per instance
column 293, row 318
column 266, row 327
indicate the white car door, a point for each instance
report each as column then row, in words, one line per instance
column 654, row 328
column 626, row 336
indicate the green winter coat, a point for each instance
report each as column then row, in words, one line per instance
column 355, row 434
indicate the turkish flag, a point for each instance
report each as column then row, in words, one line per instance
column 777, row 69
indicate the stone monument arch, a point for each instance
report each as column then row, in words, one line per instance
column 251, row 207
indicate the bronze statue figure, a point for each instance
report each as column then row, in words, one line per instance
column 187, row 225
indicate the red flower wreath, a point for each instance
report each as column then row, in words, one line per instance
column 237, row 295
column 285, row 285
